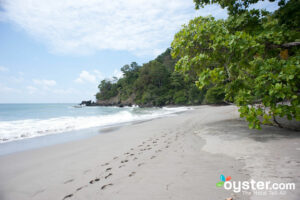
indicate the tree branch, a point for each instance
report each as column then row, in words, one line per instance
column 290, row 44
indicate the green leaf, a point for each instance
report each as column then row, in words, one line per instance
column 232, row 54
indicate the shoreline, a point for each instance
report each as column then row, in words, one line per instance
column 178, row 157
column 54, row 126
column 35, row 143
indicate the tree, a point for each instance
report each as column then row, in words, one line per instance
column 289, row 14
column 244, row 56
column 153, row 84
column 107, row 90
column 233, row 6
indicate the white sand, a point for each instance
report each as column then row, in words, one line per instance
column 179, row 157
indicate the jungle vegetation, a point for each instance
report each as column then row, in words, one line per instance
column 155, row 83
column 252, row 58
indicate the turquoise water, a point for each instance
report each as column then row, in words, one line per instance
column 25, row 121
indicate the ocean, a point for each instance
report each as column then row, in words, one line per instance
column 26, row 121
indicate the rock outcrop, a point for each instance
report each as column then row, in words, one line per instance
column 116, row 101
column 88, row 103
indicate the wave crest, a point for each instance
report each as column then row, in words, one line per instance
column 21, row 129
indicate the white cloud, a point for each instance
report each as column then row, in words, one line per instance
column 44, row 83
column 98, row 74
column 86, row 76
column 117, row 73
column 67, row 91
column 31, row 89
column 18, row 78
column 77, row 26
column 3, row 69
column 4, row 88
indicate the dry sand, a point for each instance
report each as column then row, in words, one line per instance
column 176, row 157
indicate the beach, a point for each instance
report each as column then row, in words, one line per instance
column 174, row 157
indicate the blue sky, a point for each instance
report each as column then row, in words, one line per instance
column 59, row 51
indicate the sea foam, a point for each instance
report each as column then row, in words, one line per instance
column 28, row 128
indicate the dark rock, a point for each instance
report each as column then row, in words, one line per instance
column 87, row 103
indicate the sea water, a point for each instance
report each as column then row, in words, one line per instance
column 25, row 121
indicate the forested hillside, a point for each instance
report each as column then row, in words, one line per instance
column 152, row 84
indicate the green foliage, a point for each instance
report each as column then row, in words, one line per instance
column 108, row 90
column 289, row 14
column 244, row 57
column 180, row 97
column 153, row 84
column 214, row 95
column 233, row 6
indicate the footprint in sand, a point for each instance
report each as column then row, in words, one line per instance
column 95, row 180
column 121, row 166
column 135, row 158
column 104, row 186
column 80, row 188
column 108, row 169
column 38, row 192
column 105, row 164
column 124, row 161
column 69, row 181
column 140, row 164
column 110, row 174
column 68, row 196
column 131, row 174
column 115, row 158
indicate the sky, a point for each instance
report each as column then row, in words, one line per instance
column 58, row 51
